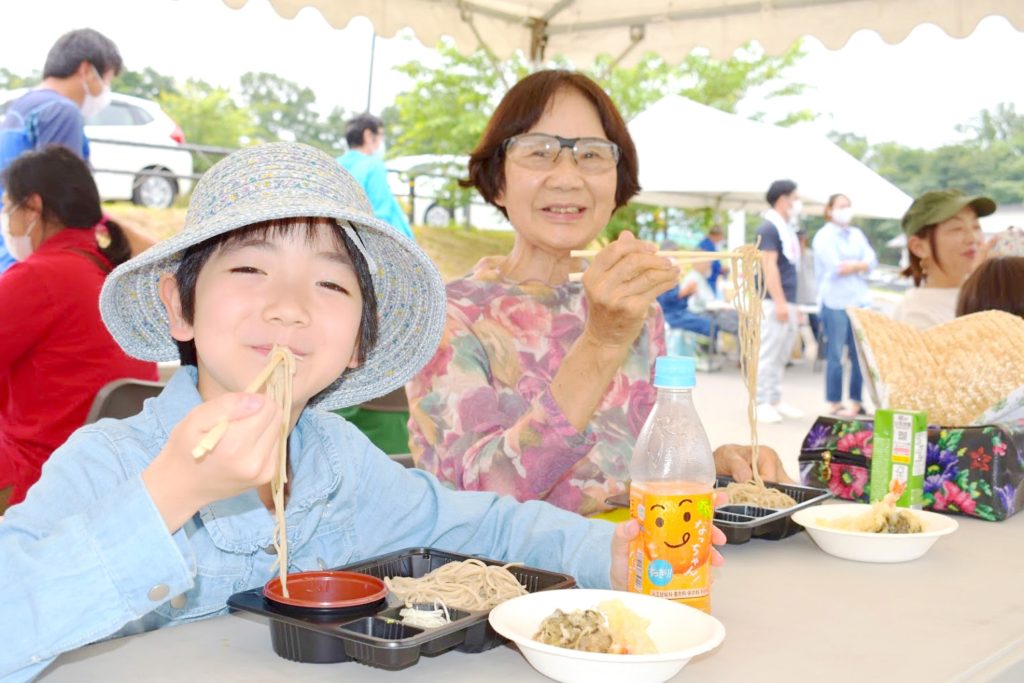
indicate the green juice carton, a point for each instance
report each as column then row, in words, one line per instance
column 899, row 452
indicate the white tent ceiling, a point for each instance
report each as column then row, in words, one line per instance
column 692, row 155
column 581, row 29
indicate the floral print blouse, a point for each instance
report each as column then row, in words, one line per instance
column 482, row 416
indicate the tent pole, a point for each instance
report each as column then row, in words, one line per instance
column 467, row 16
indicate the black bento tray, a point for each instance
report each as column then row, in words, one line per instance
column 741, row 522
column 376, row 636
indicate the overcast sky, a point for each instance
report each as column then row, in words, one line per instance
column 914, row 92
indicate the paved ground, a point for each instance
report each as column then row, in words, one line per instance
column 721, row 400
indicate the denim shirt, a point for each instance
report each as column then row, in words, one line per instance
column 88, row 556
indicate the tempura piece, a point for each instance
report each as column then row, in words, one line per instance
column 882, row 518
column 612, row 628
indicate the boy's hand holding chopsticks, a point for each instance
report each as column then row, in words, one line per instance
column 244, row 457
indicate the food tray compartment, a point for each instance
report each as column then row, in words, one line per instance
column 740, row 522
column 375, row 636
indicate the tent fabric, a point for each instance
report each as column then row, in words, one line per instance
column 582, row 29
column 692, row 155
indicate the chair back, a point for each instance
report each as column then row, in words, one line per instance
column 395, row 402
column 122, row 398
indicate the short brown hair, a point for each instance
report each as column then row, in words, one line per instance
column 996, row 285
column 522, row 107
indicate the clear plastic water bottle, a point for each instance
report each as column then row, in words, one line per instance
column 671, row 494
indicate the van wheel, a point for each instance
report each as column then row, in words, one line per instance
column 154, row 191
column 437, row 216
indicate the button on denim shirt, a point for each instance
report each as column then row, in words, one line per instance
column 88, row 556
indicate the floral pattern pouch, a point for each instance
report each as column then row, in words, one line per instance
column 976, row 471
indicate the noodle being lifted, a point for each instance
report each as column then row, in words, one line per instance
column 276, row 376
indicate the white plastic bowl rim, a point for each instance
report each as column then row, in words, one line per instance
column 548, row 601
column 934, row 523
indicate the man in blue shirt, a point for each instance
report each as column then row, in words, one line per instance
column 365, row 137
column 711, row 243
column 76, row 84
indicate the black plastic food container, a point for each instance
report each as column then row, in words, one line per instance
column 373, row 634
column 740, row 522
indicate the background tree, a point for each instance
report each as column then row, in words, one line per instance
column 10, row 81
column 146, row 83
column 208, row 116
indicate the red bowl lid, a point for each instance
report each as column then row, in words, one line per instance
column 326, row 590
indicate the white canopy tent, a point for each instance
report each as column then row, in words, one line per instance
column 581, row 29
column 692, row 155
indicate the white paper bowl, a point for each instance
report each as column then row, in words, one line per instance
column 679, row 633
column 863, row 546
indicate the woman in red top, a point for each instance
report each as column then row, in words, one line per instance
column 55, row 352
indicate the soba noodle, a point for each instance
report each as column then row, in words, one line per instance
column 748, row 287
column 276, row 376
column 468, row 585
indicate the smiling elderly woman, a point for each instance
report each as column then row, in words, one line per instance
column 541, row 385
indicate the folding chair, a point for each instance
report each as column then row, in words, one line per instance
column 122, row 398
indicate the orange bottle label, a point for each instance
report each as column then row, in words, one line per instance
column 670, row 558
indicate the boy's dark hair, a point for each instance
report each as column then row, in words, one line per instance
column 196, row 256
column 84, row 44
column 68, row 192
column 996, row 285
column 778, row 189
column 356, row 127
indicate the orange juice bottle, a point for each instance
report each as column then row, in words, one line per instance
column 671, row 494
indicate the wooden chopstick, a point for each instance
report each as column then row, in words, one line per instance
column 680, row 256
column 212, row 437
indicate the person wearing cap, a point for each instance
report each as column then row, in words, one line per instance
column 843, row 257
column 542, row 383
column 127, row 531
column 55, row 353
column 945, row 243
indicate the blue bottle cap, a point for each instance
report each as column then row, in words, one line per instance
column 675, row 372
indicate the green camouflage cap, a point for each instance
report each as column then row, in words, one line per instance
column 936, row 206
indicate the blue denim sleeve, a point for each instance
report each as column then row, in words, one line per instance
column 81, row 557
column 396, row 507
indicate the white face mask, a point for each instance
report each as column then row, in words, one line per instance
column 842, row 216
column 94, row 104
column 19, row 246
column 795, row 209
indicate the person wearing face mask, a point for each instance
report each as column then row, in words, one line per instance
column 76, row 85
column 55, row 352
column 365, row 161
column 780, row 249
column 843, row 257
column 945, row 243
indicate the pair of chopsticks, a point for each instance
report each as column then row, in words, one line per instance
column 680, row 257
column 212, row 437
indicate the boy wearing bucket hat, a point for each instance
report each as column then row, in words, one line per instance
column 280, row 246
column 945, row 242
